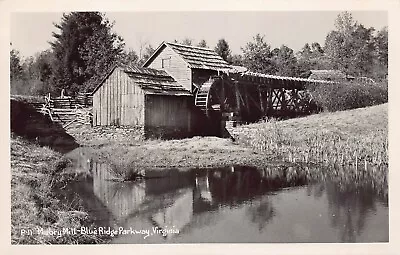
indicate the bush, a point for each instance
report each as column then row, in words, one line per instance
column 350, row 95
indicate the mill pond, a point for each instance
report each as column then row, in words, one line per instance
column 276, row 203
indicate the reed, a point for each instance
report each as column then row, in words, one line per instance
column 353, row 137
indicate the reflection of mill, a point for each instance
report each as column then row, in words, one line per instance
column 202, row 199
column 157, row 202
column 120, row 198
column 183, row 199
column 203, row 188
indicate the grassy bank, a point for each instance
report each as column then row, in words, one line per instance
column 36, row 172
column 353, row 137
column 358, row 136
column 190, row 152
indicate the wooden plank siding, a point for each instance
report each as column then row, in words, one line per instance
column 176, row 67
column 168, row 115
column 118, row 102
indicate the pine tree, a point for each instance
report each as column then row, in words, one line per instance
column 84, row 50
column 223, row 50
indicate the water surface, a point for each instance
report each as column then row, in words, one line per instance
column 233, row 204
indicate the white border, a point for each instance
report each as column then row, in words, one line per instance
column 6, row 7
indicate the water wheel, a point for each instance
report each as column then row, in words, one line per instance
column 216, row 96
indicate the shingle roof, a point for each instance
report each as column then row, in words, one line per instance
column 195, row 57
column 199, row 57
column 152, row 81
column 331, row 75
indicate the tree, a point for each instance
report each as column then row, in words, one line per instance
column 148, row 51
column 363, row 46
column 237, row 59
column 316, row 49
column 345, row 23
column 381, row 42
column 202, row 43
column 39, row 71
column 257, row 56
column 129, row 58
column 17, row 82
column 350, row 47
column 223, row 50
column 43, row 65
column 187, row 41
column 306, row 51
column 337, row 42
column 381, row 54
column 84, row 50
column 285, row 61
column 311, row 58
column 15, row 65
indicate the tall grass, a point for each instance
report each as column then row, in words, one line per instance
column 351, row 139
column 322, row 147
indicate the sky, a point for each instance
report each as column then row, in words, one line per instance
column 31, row 32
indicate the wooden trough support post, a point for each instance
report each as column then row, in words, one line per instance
column 237, row 95
column 260, row 94
column 246, row 98
column 222, row 103
column 269, row 98
column 269, row 101
column 283, row 98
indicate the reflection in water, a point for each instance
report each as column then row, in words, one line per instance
column 261, row 212
column 178, row 215
column 120, row 198
column 349, row 210
column 236, row 204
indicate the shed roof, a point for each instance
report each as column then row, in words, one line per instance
column 195, row 57
column 330, row 75
column 152, row 81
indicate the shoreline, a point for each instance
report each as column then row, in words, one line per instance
column 36, row 170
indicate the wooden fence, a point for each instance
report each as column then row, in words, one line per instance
column 81, row 100
column 67, row 110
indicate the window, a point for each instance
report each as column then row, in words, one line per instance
column 165, row 62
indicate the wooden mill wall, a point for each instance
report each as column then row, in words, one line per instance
column 118, row 102
column 169, row 116
column 174, row 65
